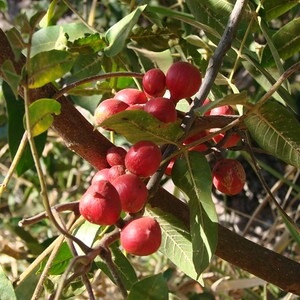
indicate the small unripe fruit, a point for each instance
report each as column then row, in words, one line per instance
column 131, row 96
column 162, row 108
column 183, row 80
column 101, row 204
column 141, row 236
column 108, row 108
column 229, row 176
column 143, row 158
column 116, row 156
column 132, row 191
column 154, row 83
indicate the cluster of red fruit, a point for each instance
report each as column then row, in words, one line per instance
column 182, row 80
column 121, row 187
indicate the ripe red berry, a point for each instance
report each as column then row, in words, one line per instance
column 154, row 82
column 116, row 156
column 108, row 108
column 101, row 175
column 136, row 107
column 141, row 236
column 229, row 176
column 143, row 158
column 194, row 138
column 168, row 170
column 116, row 171
column 131, row 96
column 221, row 110
column 162, row 108
column 132, row 191
column 101, row 204
column 183, row 80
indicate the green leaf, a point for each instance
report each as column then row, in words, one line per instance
column 10, row 76
column 276, row 130
column 16, row 110
column 60, row 262
column 87, row 233
column 151, row 288
column 41, row 114
column 232, row 99
column 193, row 176
column 176, row 242
column 49, row 14
column 6, row 287
column 117, row 34
column 286, row 41
column 48, row 66
column 124, row 267
column 140, row 125
column 276, row 8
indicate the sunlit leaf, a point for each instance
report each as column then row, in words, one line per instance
column 6, row 287
column 276, row 130
column 152, row 287
column 10, row 76
column 118, row 33
column 176, row 242
column 140, row 125
column 41, row 114
column 48, row 66
column 193, row 176
column 49, row 14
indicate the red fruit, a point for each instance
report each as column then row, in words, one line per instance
column 183, row 80
column 231, row 141
column 131, row 96
column 141, row 236
column 194, row 138
column 132, row 191
column 162, row 108
column 169, row 168
column 221, row 110
column 101, row 175
column 143, row 158
column 101, row 204
column 229, row 176
column 154, row 83
column 136, row 107
column 116, row 156
column 116, row 171
column 108, row 108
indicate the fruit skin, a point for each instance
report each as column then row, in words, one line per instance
column 102, row 174
column 143, row 158
column 131, row 96
column 116, row 171
column 183, row 80
column 162, row 108
column 141, row 236
column 229, row 176
column 116, row 156
column 132, row 191
column 101, row 204
column 108, row 108
column 154, row 82
column 193, row 138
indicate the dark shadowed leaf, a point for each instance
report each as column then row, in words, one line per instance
column 151, row 288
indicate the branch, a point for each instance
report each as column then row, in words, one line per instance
column 80, row 136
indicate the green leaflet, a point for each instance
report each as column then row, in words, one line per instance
column 276, row 130
column 193, row 176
